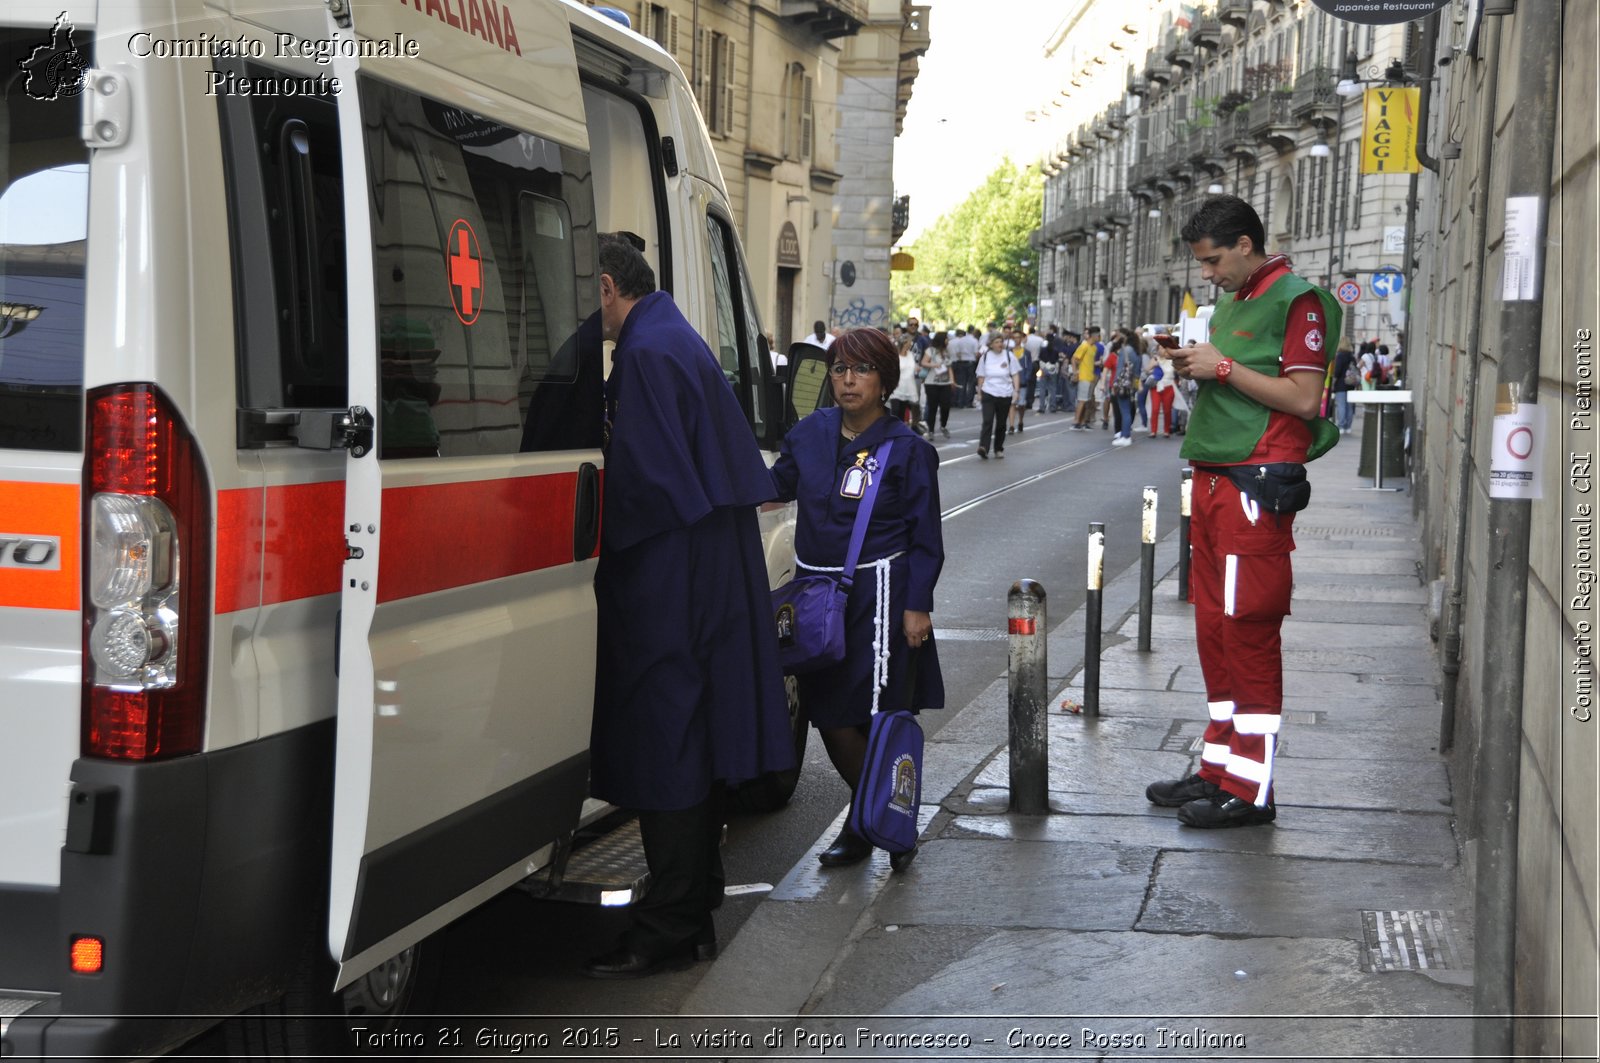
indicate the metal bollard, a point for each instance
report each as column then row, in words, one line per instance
column 1147, row 566
column 1092, row 606
column 1028, row 719
column 1185, row 495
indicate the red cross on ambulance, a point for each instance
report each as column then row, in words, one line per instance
column 466, row 271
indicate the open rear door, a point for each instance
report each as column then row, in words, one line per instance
column 472, row 495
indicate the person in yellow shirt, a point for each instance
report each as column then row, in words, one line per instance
column 1084, row 361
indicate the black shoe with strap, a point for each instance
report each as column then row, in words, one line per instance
column 1225, row 810
column 1175, row 793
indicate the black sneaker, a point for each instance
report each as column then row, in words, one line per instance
column 1225, row 810
column 983, row 453
column 1177, row 792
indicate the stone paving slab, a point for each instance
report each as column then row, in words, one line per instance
column 1274, row 896
column 1422, row 785
column 1087, row 979
column 1095, row 769
column 1316, row 586
column 1426, row 841
column 953, row 883
column 946, row 764
column 745, row 979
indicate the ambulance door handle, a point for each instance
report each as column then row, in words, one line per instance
column 586, row 513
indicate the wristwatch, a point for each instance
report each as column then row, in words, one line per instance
column 1224, row 370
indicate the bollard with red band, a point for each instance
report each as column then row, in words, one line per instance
column 1147, row 567
column 1185, row 495
column 1092, row 607
column 1028, row 724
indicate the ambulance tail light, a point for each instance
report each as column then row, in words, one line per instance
column 147, row 526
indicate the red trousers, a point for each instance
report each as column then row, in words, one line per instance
column 1240, row 580
column 1161, row 410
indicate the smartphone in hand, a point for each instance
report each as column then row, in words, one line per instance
column 1169, row 342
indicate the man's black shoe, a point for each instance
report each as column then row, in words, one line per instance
column 622, row 962
column 901, row 861
column 1225, row 810
column 1175, row 793
column 848, row 848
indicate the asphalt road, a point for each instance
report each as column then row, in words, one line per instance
column 1026, row 516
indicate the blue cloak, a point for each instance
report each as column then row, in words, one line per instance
column 687, row 688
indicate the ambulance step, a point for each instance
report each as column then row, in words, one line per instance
column 609, row 871
column 14, row 1004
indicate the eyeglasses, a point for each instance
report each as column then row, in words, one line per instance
column 840, row 369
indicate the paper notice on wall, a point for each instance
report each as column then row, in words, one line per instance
column 1515, row 460
column 1521, row 280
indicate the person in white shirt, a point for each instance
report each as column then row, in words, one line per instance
column 998, row 372
column 963, row 355
column 905, row 401
column 820, row 337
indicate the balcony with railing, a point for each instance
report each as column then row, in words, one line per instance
column 1157, row 70
column 1315, row 100
column 1207, row 32
column 827, row 19
column 1180, row 51
column 1238, row 141
column 1272, row 120
column 1234, row 12
column 1204, row 146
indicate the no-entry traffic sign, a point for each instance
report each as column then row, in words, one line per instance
column 1349, row 292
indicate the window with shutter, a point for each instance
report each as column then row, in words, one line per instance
column 702, row 71
column 725, row 125
column 805, row 116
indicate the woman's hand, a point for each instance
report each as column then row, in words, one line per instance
column 918, row 627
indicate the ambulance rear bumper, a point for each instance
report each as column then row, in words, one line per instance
column 202, row 875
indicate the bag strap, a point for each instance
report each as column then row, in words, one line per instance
column 858, row 536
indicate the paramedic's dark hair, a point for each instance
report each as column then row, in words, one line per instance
column 873, row 346
column 625, row 263
column 1222, row 220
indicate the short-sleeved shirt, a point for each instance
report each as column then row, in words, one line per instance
column 1287, row 437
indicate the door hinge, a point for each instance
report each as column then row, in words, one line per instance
column 107, row 105
column 309, row 429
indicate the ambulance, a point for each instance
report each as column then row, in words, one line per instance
column 300, row 480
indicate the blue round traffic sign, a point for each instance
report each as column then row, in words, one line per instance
column 1387, row 281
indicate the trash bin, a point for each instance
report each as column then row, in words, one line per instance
column 1394, row 440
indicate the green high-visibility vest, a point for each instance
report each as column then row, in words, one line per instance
column 1225, row 426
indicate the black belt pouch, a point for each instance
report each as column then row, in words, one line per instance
column 1279, row 487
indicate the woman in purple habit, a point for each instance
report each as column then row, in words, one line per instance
column 826, row 463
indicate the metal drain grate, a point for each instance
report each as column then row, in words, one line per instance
column 1365, row 531
column 1409, row 941
column 969, row 634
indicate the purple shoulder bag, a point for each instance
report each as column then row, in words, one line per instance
column 809, row 610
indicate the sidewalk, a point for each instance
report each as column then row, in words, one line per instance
column 1351, row 913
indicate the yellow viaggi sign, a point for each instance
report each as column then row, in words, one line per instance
column 1389, row 137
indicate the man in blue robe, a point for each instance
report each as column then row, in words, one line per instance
column 688, row 692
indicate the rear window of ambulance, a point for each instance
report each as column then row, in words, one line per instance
column 44, row 206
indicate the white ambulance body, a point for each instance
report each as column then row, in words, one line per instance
column 299, row 478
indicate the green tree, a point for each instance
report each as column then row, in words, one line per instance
column 974, row 264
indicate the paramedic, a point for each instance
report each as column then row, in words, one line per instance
column 1260, row 396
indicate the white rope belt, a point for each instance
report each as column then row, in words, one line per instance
column 881, row 632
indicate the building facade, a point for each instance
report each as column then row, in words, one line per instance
column 1164, row 105
column 788, row 89
column 879, row 68
column 1495, row 239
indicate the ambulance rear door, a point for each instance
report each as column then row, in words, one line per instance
column 472, row 495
